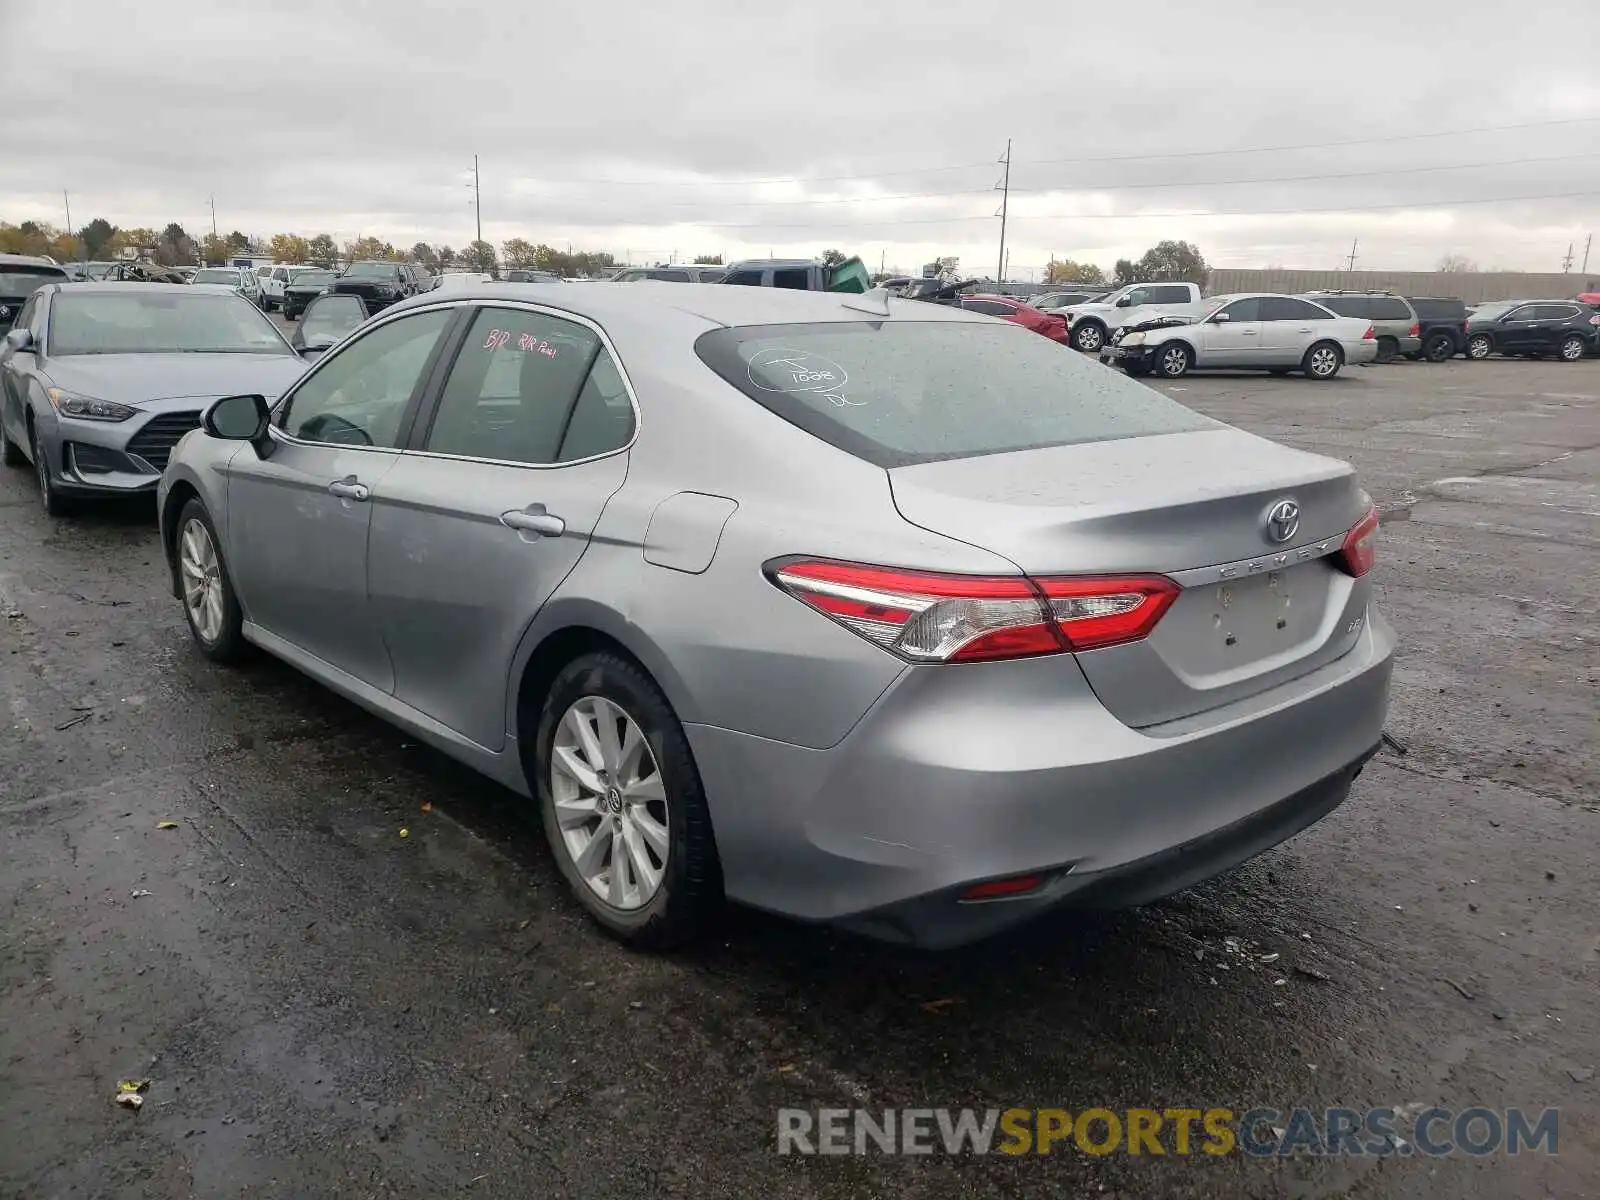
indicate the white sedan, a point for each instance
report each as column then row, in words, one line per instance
column 1264, row 332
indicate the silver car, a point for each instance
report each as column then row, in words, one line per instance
column 858, row 609
column 1254, row 332
column 98, row 381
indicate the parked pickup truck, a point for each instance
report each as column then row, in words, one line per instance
column 1090, row 325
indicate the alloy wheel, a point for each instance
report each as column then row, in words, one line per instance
column 1324, row 361
column 1174, row 361
column 1478, row 347
column 1572, row 349
column 610, row 802
column 41, row 471
column 1089, row 338
column 202, row 580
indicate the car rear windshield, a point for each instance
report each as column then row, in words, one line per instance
column 21, row 279
column 310, row 279
column 217, row 275
column 141, row 322
column 1431, row 309
column 371, row 270
column 897, row 393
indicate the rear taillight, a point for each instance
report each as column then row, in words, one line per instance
column 927, row 617
column 1360, row 545
column 1416, row 329
column 1369, row 334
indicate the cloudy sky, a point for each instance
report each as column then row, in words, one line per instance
column 1269, row 133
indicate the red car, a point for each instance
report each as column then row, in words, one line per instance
column 1052, row 326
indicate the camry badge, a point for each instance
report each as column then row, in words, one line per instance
column 1283, row 521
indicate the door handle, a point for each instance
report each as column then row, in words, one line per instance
column 349, row 488
column 1248, row 333
column 534, row 519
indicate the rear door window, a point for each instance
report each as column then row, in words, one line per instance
column 1390, row 308
column 1557, row 312
column 895, row 393
column 1167, row 294
column 1288, row 308
column 746, row 278
column 1439, row 310
column 513, row 387
column 797, row 278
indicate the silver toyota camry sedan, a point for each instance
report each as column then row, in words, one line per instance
column 853, row 608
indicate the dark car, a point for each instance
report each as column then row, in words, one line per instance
column 1561, row 329
column 1442, row 321
column 303, row 287
column 379, row 284
column 529, row 275
column 20, row 275
column 1050, row 301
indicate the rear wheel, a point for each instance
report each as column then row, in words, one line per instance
column 1479, row 346
column 1089, row 336
column 622, row 804
column 1323, row 361
column 1439, row 348
column 1174, row 361
column 1571, row 348
column 1388, row 349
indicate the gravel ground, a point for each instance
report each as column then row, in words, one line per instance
column 325, row 1008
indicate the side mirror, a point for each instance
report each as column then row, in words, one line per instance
column 316, row 350
column 238, row 419
column 19, row 339
column 1124, row 302
column 1220, row 317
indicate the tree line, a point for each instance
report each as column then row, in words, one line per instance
column 1178, row 262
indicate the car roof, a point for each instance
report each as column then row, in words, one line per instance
column 95, row 287
column 716, row 303
column 28, row 260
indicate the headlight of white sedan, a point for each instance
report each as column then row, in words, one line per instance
column 1132, row 339
column 87, row 408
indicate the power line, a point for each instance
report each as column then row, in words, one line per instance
column 1259, row 212
column 758, row 181
column 1113, row 187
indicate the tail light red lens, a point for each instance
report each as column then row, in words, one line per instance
column 1370, row 334
column 927, row 617
column 1416, row 329
column 1360, row 548
column 997, row 889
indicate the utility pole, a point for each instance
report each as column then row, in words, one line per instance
column 1586, row 242
column 1004, row 188
column 477, row 197
column 213, row 215
column 1354, row 242
column 67, row 201
column 1566, row 263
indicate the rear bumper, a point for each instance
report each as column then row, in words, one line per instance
column 965, row 774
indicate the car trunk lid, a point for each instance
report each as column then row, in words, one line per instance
column 1193, row 506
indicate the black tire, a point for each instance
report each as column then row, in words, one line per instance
column 1174, row 360
column 1440, row 347
column 1388, row 349
column 228, row 646
column 51, row 500
column 1137, row 369
column 1089, row 336
column 1571, row 349
column 10, row 453
column 289, row 316
column 690, row 892
column 1413, row 356
column 1322, row 361
column 1479, row 347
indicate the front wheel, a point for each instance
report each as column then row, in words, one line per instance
column 50, row 499
column 1089, row 337
column 209, row 605
column 1323, row 361
column 1174, row 361
column 1479, row 346
column 1439, row 348
column 1571, row 349
column 622, row 804
column 10, row 453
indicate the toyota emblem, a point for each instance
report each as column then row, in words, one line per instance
column 1283, row 521
column 4, row 312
